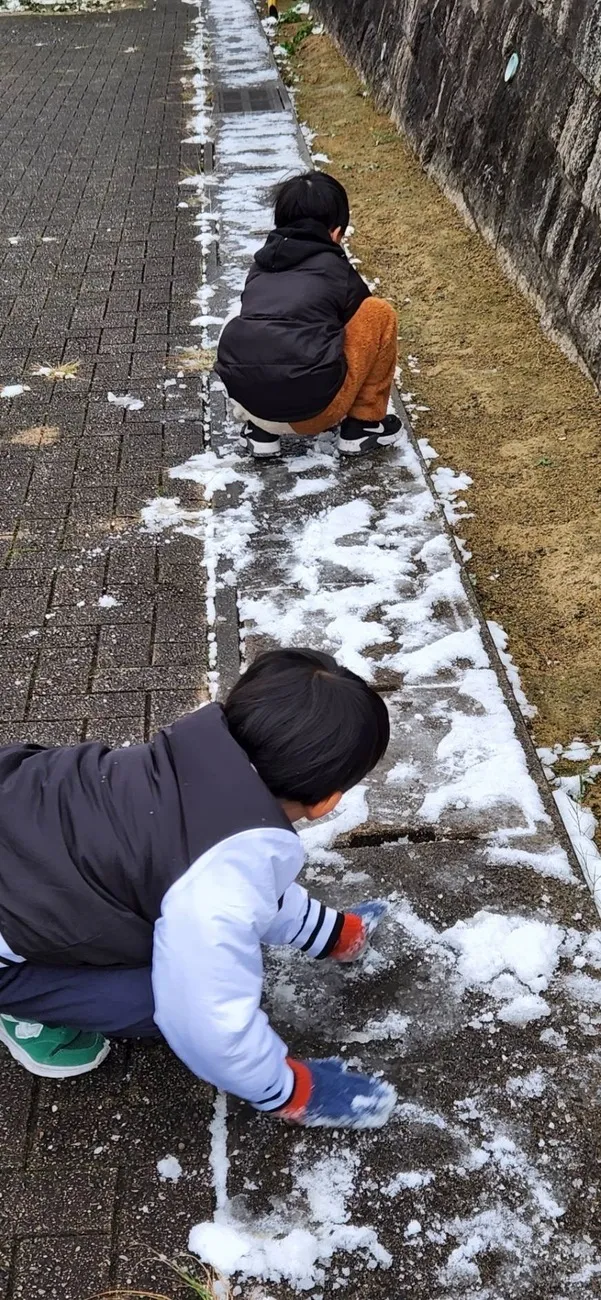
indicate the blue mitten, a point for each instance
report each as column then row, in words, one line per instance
column 326, row 1094
column 358, row 925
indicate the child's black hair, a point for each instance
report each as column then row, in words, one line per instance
column 309, row 726
column 312, row 194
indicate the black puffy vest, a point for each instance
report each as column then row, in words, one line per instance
column 283, row 358
column 92, row 838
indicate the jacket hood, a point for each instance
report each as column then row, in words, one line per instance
column 289, row 246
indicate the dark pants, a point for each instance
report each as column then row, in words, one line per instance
column 118, row 1003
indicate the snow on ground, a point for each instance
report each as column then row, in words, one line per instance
column 298, row 1239
column 355, row 559
column 126, row 401
column 169, row 1169
column 14, row 390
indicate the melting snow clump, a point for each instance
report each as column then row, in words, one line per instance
column 293, row 1244
column 169, row 1169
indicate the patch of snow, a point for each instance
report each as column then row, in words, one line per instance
column 310, row 487
column 427, row 451
column 490, row 944
column 580, row 824
column 529, row 1085
column 500, row 639
column 297, row 1240
column 524, row 1008
column 317, row 837
column 553, row 1038
column 393, row 1025
column 513, row 960
column 498, row 1230
column 408, row 1180
column 126, row 401
column 214, row 473
column 448, row 485
column 108, row 602
column 166, row 512
column 583, row 988
column 443, row 654
column 553, row 863
column 14, row 390
column 169, row 1169
column 483, row 759
column 403, row 772
column 577, row 752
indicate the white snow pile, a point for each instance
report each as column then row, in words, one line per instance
column 512, row 960
column 14, row 390
column 126, row 401
column 299, row 1237
column 108, row 602
column 169, row 1169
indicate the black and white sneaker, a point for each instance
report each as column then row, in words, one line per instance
column 259, row 442
column 358, row 437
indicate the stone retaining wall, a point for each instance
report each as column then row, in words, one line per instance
column 521, row 158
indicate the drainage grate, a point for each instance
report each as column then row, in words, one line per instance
column 248, row 99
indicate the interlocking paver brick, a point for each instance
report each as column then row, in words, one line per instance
column 58, row 1266
column 90, row 155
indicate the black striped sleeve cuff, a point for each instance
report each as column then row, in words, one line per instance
column 320, row 929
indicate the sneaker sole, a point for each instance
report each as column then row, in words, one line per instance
column 260, row 451
column 49, row 1071
column 362, row 446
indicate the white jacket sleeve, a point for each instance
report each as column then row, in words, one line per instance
column 304, row 923
column 207, row 968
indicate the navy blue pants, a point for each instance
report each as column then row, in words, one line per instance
column 118, row 1003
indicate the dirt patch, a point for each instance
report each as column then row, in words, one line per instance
column 40, row 435
column 506, row 406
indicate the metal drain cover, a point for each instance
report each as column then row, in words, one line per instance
column 265, row 98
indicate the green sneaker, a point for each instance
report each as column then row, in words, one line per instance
column 52, row 1053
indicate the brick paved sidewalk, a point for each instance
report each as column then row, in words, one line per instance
column 97, row 264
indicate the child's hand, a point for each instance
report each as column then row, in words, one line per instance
column 326, row 1094
column 357, row 929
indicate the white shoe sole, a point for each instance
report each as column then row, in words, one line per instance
column 260, row 450
column 49, row 1071
column 354, row 447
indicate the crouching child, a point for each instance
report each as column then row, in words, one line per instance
column 311, row 350
column 138, row 885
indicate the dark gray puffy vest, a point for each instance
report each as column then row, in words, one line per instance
column 92, row 838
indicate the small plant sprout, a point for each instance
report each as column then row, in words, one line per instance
column 66, row 370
